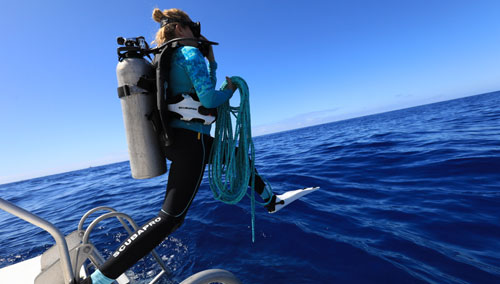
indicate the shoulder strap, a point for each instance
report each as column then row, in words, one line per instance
column 162, row 63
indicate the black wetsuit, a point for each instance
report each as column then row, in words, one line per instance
column 189, row 155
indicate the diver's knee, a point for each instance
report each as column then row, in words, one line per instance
column 172, row 222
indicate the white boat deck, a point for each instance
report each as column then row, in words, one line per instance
column 21, row 273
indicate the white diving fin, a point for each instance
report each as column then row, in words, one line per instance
column 282, row 200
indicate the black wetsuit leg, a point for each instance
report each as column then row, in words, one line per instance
column 189, row 155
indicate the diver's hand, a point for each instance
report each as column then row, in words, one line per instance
column 230, row 84
column 210, row 55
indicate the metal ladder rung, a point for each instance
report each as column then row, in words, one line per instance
column 121, row 217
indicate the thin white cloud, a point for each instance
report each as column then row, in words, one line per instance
column 337, row 114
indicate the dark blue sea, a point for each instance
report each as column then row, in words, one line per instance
column 408, row 196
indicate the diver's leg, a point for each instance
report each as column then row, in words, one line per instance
column 139, row 244
column 185, row 174
column 260, row 185
column 135, row 247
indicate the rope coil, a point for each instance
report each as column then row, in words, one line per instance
column 232, row 157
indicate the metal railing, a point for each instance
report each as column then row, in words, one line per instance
column 51, row 229
column 212, row 276
column 203, row 277
column 121, row 217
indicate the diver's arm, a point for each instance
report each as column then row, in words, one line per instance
column 212, row 67
column 196, row 68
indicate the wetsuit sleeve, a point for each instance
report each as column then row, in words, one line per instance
column 212, row 67
column 203, row 80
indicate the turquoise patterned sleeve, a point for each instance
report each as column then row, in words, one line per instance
column 203, row 81
column 212, row 67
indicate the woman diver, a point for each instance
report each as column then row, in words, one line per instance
column 190, row 151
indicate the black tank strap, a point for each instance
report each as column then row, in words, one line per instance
column 148, row 84
column 123, row 91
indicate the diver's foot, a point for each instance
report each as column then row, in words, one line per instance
column 278, row 202
column 271, row 206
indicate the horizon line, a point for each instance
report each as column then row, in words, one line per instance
column 18, row 178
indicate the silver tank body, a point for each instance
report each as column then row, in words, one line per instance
column 146, row 156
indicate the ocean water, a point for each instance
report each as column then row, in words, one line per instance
column 409, row 196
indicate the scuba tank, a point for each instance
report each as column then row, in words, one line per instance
column 136, row 90
column 144, row 95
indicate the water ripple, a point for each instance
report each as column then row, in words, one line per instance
column 408, row 196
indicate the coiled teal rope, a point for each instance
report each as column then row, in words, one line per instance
column 232, row 158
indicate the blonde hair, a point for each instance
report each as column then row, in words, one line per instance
column 166, row 32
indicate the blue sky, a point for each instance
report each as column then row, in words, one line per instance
column 306, row 62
